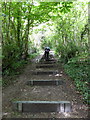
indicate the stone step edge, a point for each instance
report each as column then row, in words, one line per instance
column 45, row 72
column 42, row 106
column 37, row 82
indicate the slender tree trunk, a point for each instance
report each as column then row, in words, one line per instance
column 27, row 31
column 6, row 26
column 18, row 29
column 89, row 27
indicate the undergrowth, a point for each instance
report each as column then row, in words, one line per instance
column 78, row 69
column 10, row 74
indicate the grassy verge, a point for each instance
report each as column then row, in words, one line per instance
column 11, row 73
column 78, row 70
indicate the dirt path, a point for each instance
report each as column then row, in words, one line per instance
column 65, row 92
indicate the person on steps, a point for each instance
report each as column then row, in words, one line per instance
column 46, row 54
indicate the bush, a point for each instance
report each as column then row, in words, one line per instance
column 80, row 74
column 67, row 51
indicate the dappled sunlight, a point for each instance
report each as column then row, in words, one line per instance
column 66, row 114
column 57, row 75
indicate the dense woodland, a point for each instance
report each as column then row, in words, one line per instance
column 68, row 26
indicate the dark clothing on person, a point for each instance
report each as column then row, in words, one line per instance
column 47, row 49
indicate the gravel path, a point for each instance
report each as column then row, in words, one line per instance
column 23, row 92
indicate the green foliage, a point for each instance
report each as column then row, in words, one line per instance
column 79, row 72
column 12, row 72
column 31, row 56
column 46, row 42
column 72, row 33
column 11, row 54
column 13, row 69
column 17, row 18
column 67, row 51
column 15, row 34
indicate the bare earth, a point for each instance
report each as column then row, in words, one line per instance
column 22, row 92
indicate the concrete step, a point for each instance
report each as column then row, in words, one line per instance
column 42, row 106
column 45, row 82
column 48, row 72
column 50, row 59
column 45, row 66
column 47, row 62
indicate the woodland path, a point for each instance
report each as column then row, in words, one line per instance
column 22, row 92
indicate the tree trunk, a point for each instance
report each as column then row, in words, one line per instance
column 27, row 31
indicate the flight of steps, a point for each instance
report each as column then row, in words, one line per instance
column 43, row 68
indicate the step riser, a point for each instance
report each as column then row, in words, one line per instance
column 42, row 83
column 42, row 107
column 44, row 73
column 52, row 60
column 48, row 66
column 48, row 62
